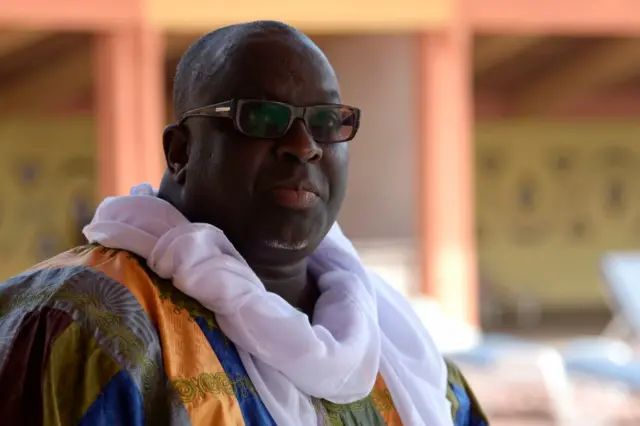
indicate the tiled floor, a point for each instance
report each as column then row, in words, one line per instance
column 527, row 403
column 530, row 406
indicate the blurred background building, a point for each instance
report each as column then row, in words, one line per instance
column 498, row 159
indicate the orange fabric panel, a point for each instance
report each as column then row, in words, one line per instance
column 384, row 403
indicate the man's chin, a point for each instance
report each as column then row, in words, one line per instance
column 291, row 233
column 276, row 252
column 286, row 244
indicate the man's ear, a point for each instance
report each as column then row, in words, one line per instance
column 175, row 142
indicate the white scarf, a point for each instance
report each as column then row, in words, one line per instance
column 360, row 327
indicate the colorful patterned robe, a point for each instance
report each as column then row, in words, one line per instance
column 93, row 337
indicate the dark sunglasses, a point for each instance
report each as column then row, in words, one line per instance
column 328, row 123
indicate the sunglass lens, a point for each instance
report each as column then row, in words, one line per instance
column 331, row 123
column 263, row 119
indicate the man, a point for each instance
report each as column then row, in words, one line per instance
column 230, row 296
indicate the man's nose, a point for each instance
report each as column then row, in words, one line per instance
column 298, row 145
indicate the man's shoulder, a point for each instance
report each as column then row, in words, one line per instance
column 97, row 292
column 84, row 315
column 87, row 274
column 95, row 256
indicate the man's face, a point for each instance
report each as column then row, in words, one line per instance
column 249, row 187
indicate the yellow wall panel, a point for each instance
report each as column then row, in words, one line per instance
column 47, row 170
column 317, row 17
column 551, row 199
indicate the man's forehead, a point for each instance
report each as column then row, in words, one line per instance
column 276, row 54
column 286, row 67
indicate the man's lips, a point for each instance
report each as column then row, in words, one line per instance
column 300, row 195
column 296, row 199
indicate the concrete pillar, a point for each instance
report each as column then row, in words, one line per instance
column 130, row 108
column 448, row 248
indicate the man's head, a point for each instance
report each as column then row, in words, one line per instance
column 275, row 198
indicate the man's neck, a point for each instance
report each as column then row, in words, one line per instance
column 292, row 282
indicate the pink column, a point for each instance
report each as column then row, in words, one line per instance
column 129, row 99
column 448, row 249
